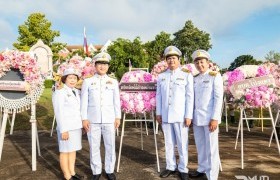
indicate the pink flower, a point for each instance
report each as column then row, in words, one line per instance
column 248, row 97
column 147, row 77
column 138, row 102
column 262, row 71
column 235, row 76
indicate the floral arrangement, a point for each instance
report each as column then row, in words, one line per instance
column 84, row 66
column 214, row 67
column 27, row 65
column 159, row 68
column 261, row 96
column 191, row 68
column 275, row 71
column 137, row 102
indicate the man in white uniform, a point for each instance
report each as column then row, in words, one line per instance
column 101, row 113
column 174, row 110
column 208, row 93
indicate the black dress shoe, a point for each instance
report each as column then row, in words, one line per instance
column 166, row 173
column 111, row 176
column 196, row 174
column 184, row 176
column 96, row 177
column 77, row 176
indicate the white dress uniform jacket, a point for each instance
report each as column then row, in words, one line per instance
column 208, row 98
column 101, row 106
column 174, row 102
column 100, row 99
column 208, row 105
column 174, row 97
column 67, row 109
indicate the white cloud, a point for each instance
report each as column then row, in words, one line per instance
column 141, row 15
column 109, row 19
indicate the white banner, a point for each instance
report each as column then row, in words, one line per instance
column 252, row 82
column 12, row 86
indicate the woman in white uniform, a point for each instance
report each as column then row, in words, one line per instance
column 66, row 101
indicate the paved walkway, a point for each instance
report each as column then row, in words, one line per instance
column 137, row 164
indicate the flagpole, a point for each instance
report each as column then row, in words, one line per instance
column 85, row 43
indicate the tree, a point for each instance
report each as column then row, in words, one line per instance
column 273, row 57
column 124, row 50
column 156, row 47
column 37, row 27
column 243, row 60
column 190, row 38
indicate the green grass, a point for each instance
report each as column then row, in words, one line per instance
column 44, row 114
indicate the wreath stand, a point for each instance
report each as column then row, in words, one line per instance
column 225, row 109
column 240, row 128
column 52, row 126
column 276, row 121
column 34, row 132
column 139, row 120
column 10, row 122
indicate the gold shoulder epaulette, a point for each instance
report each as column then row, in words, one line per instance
column 56, row 76
column 185, row 70
column 112, row 75
column 79, row 84
column 88, row 76
column 213, row 73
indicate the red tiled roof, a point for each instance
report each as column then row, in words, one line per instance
column 74, row 47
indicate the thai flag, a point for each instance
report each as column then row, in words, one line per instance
column 85, row 43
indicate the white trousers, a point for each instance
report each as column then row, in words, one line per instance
column 207, row 146
column 94, row 138
column 176, row 134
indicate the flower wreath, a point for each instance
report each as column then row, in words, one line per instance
column 84, row 66
column 254, row 97
column 27, row 65
column 137, row 102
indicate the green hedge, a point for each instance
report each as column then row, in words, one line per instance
column 48, row 83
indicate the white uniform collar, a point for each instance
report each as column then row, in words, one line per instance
column 101, row 76
column 174, row 71
column 68, row 88
column 206, row 72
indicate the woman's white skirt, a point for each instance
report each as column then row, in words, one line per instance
column 74, row 142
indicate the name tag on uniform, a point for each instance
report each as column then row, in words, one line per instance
column 109, row 82
column 206, row 81
column 93, row 84
column 163, row 79
column 68, row 95
column 181, row 79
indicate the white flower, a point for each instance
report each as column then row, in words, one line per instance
column 249, row 70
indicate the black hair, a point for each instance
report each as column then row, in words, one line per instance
column 172, row 55
column 102, row 62
column 199, row 58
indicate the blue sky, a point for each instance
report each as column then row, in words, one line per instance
column 256, row 35
column 236, row 27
